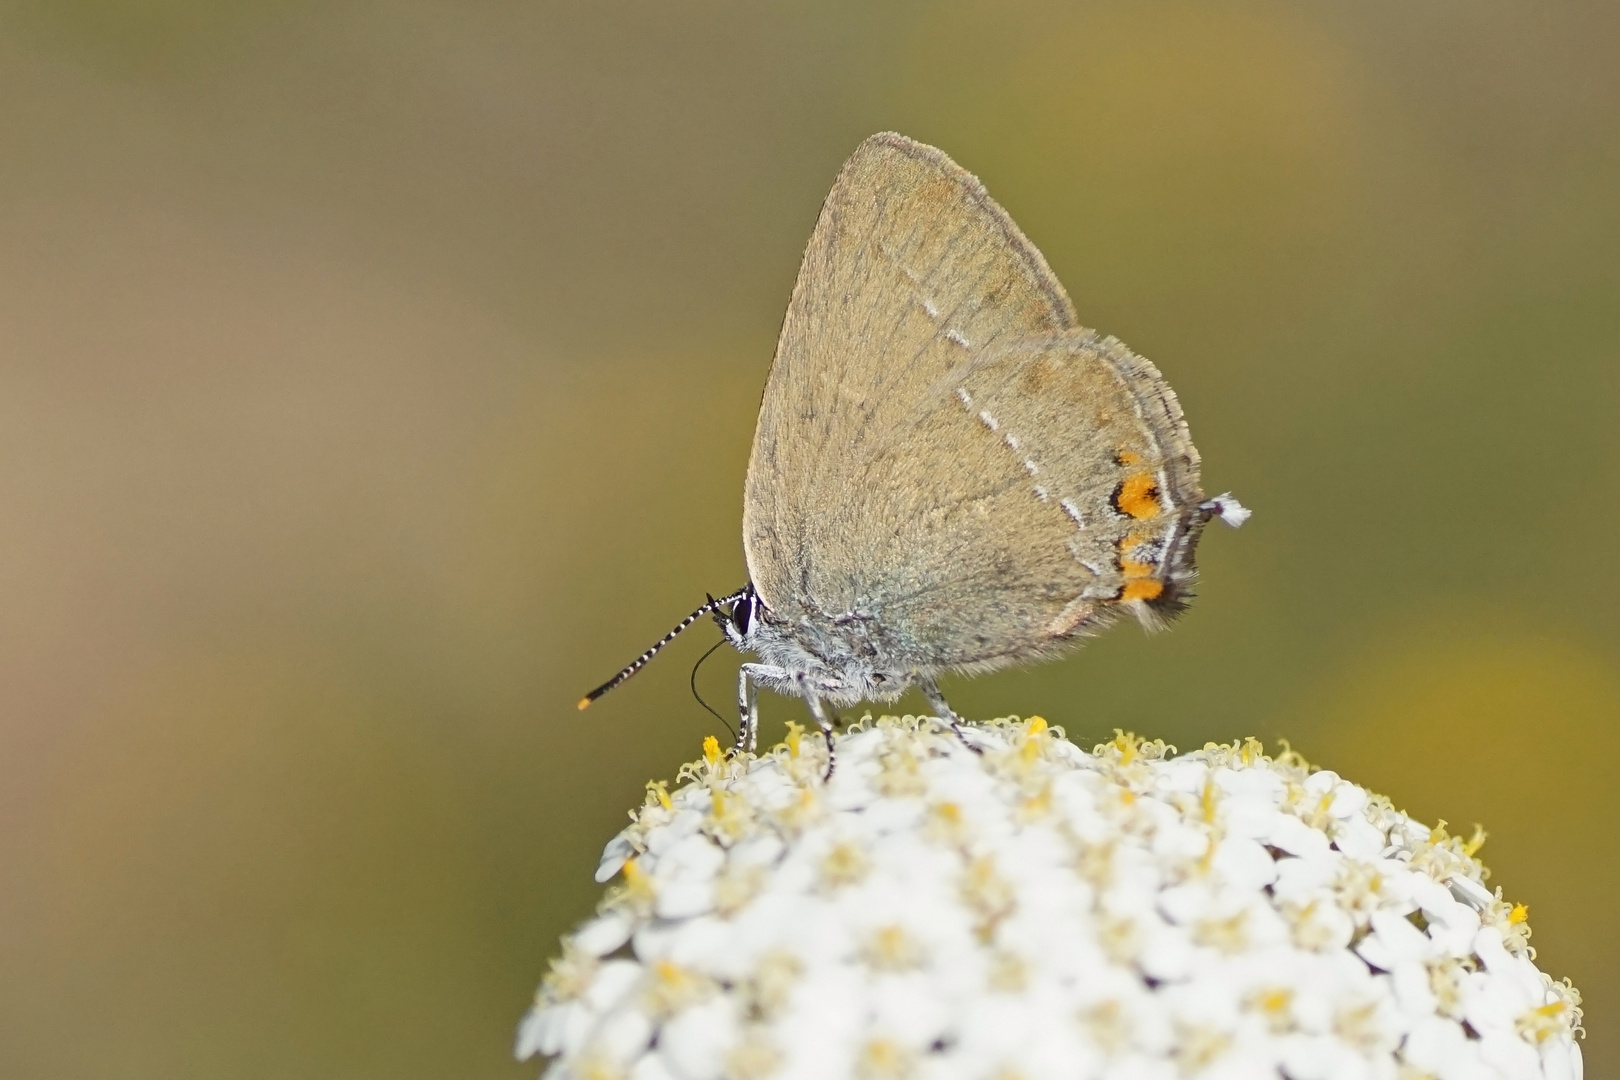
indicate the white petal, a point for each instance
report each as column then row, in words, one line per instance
column 695, row 857
column 1311, row 1057
column 1244, row 863
column 541, row 1031
column 910, row 1009
column 1431, row 1043
column 612, row 981
column 1412, row 990
column 1510, row 1055
column 1399, row 940
column 685, row 823
column 694, row 1043
column 684, row 898
column 1359, row 838
column 1321, row 782
column 623, row 1035
column 1348, row 800
column 1465, row 1064
column 1561, row 1060
column 1167, row 952
column 651, row 1067
column 614, row 856
column 1470, row 892
column 603, row 934
column 1292, row 835
column 1141, row 1067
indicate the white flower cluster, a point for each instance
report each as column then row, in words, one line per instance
column 1034, row 911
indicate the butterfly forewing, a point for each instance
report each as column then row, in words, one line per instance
column 911, row 268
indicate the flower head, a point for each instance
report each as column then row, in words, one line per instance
column 1037, row 910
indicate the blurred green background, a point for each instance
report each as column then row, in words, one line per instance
column 376, row 377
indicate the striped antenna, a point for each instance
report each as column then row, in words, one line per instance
column 641, row 661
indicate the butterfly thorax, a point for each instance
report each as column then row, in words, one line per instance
column 840, row 658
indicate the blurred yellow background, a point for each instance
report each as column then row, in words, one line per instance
column 375, row 378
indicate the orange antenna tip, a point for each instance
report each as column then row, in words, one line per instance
column 584, row 703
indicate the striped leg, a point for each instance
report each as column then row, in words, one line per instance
column 944, row 712
column 818, row 709
column 747, row 710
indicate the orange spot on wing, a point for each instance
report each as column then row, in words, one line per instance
column 1136, row 568
column 1138, row 495
column 1127, row 457
column 1142, row 589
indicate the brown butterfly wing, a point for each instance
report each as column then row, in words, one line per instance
column 939, row 445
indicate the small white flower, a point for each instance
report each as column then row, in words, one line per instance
column 1034, row 910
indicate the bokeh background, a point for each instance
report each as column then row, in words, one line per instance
column 377, row 377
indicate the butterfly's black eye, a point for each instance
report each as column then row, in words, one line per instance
column 742, row 614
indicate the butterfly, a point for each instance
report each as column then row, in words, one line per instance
column 950, row 473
